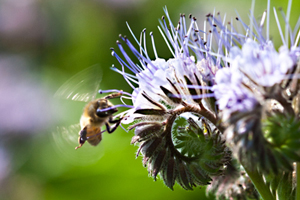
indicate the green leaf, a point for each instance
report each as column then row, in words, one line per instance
column 285, row 191
column 291, row 154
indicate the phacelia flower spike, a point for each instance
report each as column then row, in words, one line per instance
column 174, row 115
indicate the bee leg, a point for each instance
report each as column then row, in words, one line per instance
column 82, row 137
column 116, row 122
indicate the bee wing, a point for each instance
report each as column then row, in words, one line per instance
column 65, row 139
column 68, row 134
column 81, row 87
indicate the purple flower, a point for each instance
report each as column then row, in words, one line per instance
column 262, row 63
column 256, row 68
column 185, row 77
column 232, row 96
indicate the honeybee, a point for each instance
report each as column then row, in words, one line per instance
column 97, row 112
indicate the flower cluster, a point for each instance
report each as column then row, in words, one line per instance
column 171, row 97
column 223, row 92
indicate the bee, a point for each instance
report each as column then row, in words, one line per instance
column 97, row 112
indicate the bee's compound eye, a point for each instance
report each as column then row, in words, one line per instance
column 81, row 140
column 101, row 113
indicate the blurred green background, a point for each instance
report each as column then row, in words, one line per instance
column 45, row 42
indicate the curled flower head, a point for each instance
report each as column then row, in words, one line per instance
column 174, row 109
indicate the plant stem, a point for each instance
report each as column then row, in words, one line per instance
column 298, row 181
column 259, row 184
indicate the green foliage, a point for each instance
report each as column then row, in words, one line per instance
column 187, row 139
column 202, row 145
column 282, row 140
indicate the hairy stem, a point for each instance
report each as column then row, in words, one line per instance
column 287, row 105
column 259, row 183
column 298, row 181
column 201, row 110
